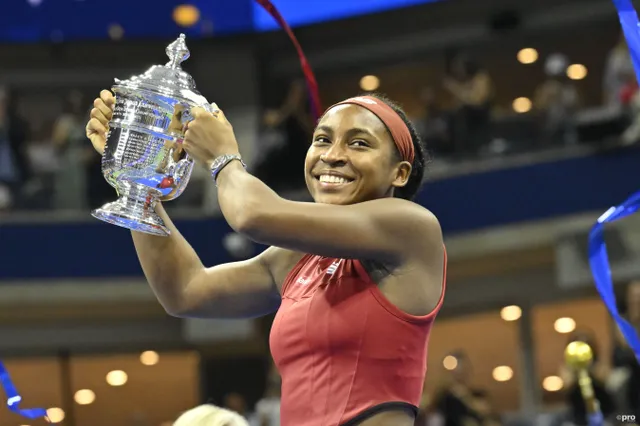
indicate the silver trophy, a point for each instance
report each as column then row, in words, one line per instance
column 144, row 159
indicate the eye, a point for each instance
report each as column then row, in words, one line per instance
column 321, row 140
column 359, row 143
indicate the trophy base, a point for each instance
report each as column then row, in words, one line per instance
column 128, row 213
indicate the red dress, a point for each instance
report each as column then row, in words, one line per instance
column 343, row 350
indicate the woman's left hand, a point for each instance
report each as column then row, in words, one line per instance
column 209, row 135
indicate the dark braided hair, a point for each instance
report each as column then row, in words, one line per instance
column 421, row 159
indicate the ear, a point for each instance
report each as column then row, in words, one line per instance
column 402, row 174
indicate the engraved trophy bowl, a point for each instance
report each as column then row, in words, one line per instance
column 143, row 158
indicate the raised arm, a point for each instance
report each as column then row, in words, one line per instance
column 178, row 278
column 387, row 229
column 185, row 288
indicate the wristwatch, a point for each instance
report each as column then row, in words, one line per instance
column 220, row 162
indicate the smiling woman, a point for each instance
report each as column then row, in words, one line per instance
column 357, row 277
column 375, row 132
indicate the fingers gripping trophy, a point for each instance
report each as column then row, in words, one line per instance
column 142, row 153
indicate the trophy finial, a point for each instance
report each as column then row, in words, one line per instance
column 177, row 52
column 578, row 355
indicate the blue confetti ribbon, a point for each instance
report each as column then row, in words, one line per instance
column 14, row 398
column 599, row 262
column 598, row 259
column 595, row 419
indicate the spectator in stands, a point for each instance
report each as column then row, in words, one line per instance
column 556, row 101
column 210, row 415
column 472, row 90
column 458, row 404
column 624, row 382
column 268, row 408
column 631, row 134
column 68, row 141
column 235, row 402
column 74, row 155
column 434, row 127
column 619, row 75
column 78, row 183
column 14, row 163
column 293, row 123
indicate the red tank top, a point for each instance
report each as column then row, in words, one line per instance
column 343, row 350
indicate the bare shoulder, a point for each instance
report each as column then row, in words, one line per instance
column 415, row 225
column 279, row 262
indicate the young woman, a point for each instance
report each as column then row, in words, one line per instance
column 357, row 277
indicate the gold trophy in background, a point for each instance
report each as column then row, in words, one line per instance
column 579, row 356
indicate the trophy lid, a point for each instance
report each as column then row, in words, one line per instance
column 170, row 79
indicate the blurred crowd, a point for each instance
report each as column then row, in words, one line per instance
column 51, row 166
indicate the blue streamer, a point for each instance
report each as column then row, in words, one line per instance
column 595, row 419
column 629, row 21
column 14, row 398
column 601, row 270
column 598, row 259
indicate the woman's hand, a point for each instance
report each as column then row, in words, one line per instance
column 98, row 124
column 209, row 135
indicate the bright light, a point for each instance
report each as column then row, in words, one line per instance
column 55, row 414
column 552, row 384
column 186, row 15
column 369, row 83
column 116, row 32
column 522, row 105
column 84, row 397
column 149, row 358
column 576, row 71
column 450, row 362
column 564, row 325
column 502, row 373
column 117, row 378
column 511, row 313
column 527, row 56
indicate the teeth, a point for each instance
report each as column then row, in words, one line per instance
column 332, row 179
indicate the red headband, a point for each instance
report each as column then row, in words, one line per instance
column 396, row 126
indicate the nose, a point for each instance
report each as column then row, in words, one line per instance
column 334, row 154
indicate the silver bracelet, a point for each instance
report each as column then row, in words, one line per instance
column 220, row 162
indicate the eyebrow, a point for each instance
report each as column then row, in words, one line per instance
column 353, row 131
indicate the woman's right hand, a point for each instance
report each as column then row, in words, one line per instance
column 98, row 124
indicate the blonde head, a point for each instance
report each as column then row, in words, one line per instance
column 210, row 415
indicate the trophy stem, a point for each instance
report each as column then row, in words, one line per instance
column 134, row 210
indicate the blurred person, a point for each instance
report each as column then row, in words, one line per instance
column 5, row 198
column 457, row 403
column 235, row 402
column 597, row 372
column 210, row 415
column 619, row 75
column 357, row 278
column 472, row 89
column 69, row 139
column 39, row 192
column 14, row 162
column 556, row 100
column 631, row 134
column 288, row 129
column 625, row 378
column 268, row 407
column 624, row 382
column 434, row 127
